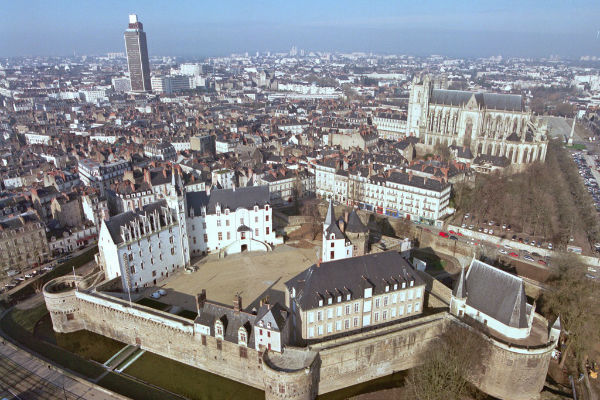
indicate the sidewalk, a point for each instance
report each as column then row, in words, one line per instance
column 41, row 375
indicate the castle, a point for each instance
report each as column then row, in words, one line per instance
column 344, row 322
column 490, row 124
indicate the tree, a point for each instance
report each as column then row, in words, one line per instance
column 573, row 297
column 448, row 364
column 310, row 208
column 443, row 151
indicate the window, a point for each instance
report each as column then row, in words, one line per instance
column 281, row 388
column 320, row 302
column 266, row 218
column 319, row 316
column 376, row 316
column 220, row 235
column 338, row 325
column 410, row 294
column 348, row 309
column 384, row 315
column 256, row 232
column 332, row 244
column 418, row 294
column 330, row 313
column 311, row 331
column 154, row 273
column 311, row 317
column 339, row 311
column 203, row 340
column 367, row 306
column 204, row 225
column 243, row 352
column 366, row 320
column 172, row 251
column 218, row 222
column 205, row 238
column 408, row 308
column 400, row 310
column 219, row 328
column 329, row 327
column 385, row 301
column 377, row 303
column 348, row 297
column 417, row 307
column 267, row 230
column 227, row 222
column 70, row 317
column 347, row 324
column 395, row 286
column 132, row 269
column 393, row 313
column 387, row 288
column 356, row 307
column 355, row 322
column 256, row 219
column 228, row 235
column 402, row 296
column 241, row 221
column 339, row 299
column 219, row 344
column 368, row 292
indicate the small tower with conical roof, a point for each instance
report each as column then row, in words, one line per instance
column 336, row 245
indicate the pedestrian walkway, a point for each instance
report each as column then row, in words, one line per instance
column 27, row 377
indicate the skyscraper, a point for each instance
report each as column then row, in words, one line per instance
column 137, row 56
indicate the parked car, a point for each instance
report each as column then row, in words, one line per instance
column 513, row 254
column 491, row 232
column 514, row 237
column 463, row 226
column 452, row 232
column 471, row 226
column 528, row 258
column 550, row 247
column 502, row 251
column 443, row 234
column 535, row 254
column 485, row 230
column 453, row 237
column 27, row 276
column 507, row 246
column 155, row 295
column 162, row 292
column 542, row 262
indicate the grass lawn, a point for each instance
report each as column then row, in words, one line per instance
column 28, row 318
column 434, row 262
column 89, row 345
column 387, row 382
column 157, row 305
column 187, row 381
column 577, row 146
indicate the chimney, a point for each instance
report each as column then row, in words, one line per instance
column 346, row 216
column 237, row 303
column 409, row 176
column 200, row 300
column 147, row 177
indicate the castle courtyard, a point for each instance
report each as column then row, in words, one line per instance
column 253, row 275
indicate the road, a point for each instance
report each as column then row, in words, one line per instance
column 39, row 269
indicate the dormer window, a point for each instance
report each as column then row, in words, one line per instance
column 329, row 300
column 368, row 292
column 266, row 208
column 387, row 288
column 262, row 324
column 256, row 208
column 242, row 337
column 339, row 299
column 320, row 302
column 268, row 325
column 395, row 286
column 348, row 297
column 403, row 285
column 219, row 329
column 412, row 283
column 227, row 211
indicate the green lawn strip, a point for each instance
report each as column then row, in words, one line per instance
column 131, row 388
column 433, row 261
column 187, row 381
column 157, row 305
column 28, row 318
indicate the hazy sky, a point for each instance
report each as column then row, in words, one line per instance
column 201, row 28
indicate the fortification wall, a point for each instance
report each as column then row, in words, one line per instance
column 63, row 305
column 338, row 363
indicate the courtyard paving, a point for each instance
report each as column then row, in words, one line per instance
column 253, row 275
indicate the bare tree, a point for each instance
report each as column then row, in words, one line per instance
column 448, row 364
column 574, row 297
column 310, row 208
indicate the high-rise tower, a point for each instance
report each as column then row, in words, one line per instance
column 137, row 56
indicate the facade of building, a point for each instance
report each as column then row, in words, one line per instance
column 488, row 123
column 397, row 194
column 101, row 176
column 23, row 242
column 160, row 151
column 352, row 294
column 137, row 56
column 170, row 84
column 390, row 126
column 288, row 185
column 145, row 245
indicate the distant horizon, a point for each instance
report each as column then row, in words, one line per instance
column 469, row 29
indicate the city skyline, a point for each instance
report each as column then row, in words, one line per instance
column 468, row 29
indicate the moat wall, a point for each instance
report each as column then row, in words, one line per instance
column 338, row 363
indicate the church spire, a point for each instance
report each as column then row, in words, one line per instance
column 330, row 217
column 460, row 290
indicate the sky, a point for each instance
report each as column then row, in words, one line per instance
column 462, row 28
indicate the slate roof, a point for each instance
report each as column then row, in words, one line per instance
column 275, row 314
column 495, row 101
column 246, row 197
column 496, row 293
column 351, row 275
column 417, row 181
column 115, row 223
column 232, row 321
column 354, row 224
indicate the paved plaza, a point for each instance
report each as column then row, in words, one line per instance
column 252, row 275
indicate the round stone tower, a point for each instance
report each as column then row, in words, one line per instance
column 62, row 303
column 291, row 375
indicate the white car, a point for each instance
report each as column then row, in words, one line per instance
column 528, row 257
column 550, row 246
column 507, row 246
column 502, row 251
column 155, row 295
column 162, row 292
column 491, row 232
